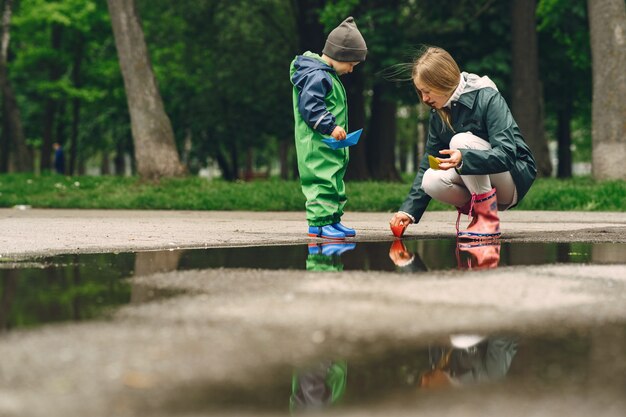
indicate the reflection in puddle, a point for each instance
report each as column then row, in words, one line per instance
column 318, row 386
column 464, row 360
column 62, row 288
column 584, row 362
column 78, row 287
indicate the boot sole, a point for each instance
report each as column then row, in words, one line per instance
column 470, row 236
column 326, row 237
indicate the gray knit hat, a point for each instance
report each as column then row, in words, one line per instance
column 345, row 43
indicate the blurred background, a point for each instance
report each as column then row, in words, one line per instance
column 222, row 71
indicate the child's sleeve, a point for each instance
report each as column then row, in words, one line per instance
column 311, row 101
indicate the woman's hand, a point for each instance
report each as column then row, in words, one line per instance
column 453, row 161
column 400, row 219
column 338, row 133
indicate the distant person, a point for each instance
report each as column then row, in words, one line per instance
column 321, row 109
column 59, row 158
column 484, row 165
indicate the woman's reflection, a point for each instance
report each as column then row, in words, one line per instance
column 405, row 261
column 469, row 359
column 478, row 255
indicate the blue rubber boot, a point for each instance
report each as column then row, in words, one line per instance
column 345, row 230
column 338, row 248
column 314, row 249
column 326, row 232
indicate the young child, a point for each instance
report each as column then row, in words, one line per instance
column 320, row 109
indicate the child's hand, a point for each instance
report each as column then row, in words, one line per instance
column 338, row 133
column 453, row 161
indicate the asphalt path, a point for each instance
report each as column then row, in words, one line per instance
column 227, row 334
column 45, row 232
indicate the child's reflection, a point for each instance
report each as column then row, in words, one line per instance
column 327, row 256
column 319, row 386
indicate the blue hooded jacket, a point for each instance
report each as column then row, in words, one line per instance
column 314, row 81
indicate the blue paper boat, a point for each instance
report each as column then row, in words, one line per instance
column 351, row 139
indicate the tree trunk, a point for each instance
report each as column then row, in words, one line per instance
column 310, row 30
column 607, row 22
column 381, row 140
column 153, row 136
column 5, row 147
column 224, row 165
column 59, row 134
column 105, row 164
column 249, row 169
column 283, row 154
column 527, row 104
column 564, row 138
column 51, row 104
column 7, row 299
column 118, row 161
column 77, row 81
column 422, row 135
column 355, row 84
column 234, row 160
column 14, row 133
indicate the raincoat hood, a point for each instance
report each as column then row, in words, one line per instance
column 468, row 83
column 304, row 64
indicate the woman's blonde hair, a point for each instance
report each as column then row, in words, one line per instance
column 436, row 68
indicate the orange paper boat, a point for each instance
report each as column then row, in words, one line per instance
column 398, row 230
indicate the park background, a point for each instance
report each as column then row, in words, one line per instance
column 187, row 105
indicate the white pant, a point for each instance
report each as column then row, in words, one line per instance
column 451, row 188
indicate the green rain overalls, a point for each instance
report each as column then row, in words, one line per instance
column 321, row 168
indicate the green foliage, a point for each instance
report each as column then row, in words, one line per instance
column 576, row 194
column 222, row 66
column 54, row 191
column 41, row 71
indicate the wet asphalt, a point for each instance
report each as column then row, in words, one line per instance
column 227, row 334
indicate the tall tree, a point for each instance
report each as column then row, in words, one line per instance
column 23, row 160
column 355, row 91
column 153, row 136
column 527, row 102
column 607, row 22
column 565, row 65
column 55, row 70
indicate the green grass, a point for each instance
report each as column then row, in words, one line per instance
column 55, row 191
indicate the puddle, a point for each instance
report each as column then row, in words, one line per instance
column 62, row 288
column 582, row 361
column 78, row 287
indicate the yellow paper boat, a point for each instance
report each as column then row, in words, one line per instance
column 432, row 161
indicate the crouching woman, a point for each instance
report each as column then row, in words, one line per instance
column 481, row 164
